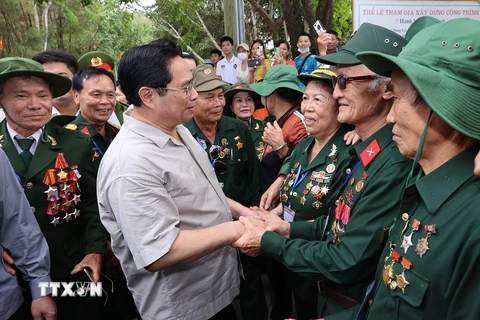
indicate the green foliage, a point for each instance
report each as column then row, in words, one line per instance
column 342, row 19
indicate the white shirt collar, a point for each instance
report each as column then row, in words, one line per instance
column 35, row 136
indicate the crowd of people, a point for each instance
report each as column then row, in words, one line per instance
column 355, row 192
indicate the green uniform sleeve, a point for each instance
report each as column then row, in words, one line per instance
column 94, row 234
column 308, row 230
column 464, row 291
column 354, row 258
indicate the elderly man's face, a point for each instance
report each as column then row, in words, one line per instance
column 357, row 104
column 209, row 106
column 96, row 99
column 407, row 117
column 28, row 103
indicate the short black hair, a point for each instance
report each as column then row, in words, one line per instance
column 216, row 51
column 226, row 38
column 303, row 34
column 89, row 73
column 279, row 42
column 146, row 66
column 57, row 56
column 330, row 31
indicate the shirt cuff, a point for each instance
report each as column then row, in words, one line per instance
column 35, row 289
column 301, row 229
column 272, row 244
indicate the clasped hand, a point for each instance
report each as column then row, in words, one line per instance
column 255, row 228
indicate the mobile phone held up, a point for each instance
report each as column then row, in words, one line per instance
column 259, row 51
column 254, row 63
column 277, row 52
column 318, row 26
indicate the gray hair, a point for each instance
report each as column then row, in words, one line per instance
column 377, row 82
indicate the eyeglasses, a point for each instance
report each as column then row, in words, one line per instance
column 187, row 90
column 342, row 81
column 216, row 153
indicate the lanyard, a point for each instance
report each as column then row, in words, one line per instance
column 98, row 148
column 351, row 174
column 204, row 147
column 298, row 180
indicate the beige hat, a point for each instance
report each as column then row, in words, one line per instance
column 244, row 46
column 206, row 79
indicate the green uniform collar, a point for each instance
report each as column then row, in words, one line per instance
column 436, row 187
column 82, row 123
column 222, row 126
column 383, row 137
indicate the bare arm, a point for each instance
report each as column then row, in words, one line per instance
column 193, row 244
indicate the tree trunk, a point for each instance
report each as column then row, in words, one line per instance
column 325, row 12
column 35, row 16
column 45, row 19
column 293, row 21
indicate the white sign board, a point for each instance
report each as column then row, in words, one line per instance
column 398, row 15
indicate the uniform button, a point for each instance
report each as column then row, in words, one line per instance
column 348, row 171
column 29, row 185
column 294, row 194
column 370, row 301
column 405, row 216
column 239, row 160
column 33, row 209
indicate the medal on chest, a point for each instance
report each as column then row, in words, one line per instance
column 63, row 193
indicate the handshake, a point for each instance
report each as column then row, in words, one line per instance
column 256, row 221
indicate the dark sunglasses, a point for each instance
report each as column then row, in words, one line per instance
column 342, row 81
column 219, row 167
column 215, row 152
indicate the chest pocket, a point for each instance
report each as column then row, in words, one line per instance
column 410, row 301
column 238, row 165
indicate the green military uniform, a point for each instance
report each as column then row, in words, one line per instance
column 69, row 238
column 430, row 268
column 315, row 191
column 241, row 180
column 434, row 248
column 256, row 130
column 100, row 144
column 256, row 126
column 346, row 259
column 60, row 185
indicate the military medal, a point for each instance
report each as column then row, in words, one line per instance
column 76, row 213
column 302, row 200
column 401, row 280
column 388, row 273
column 67, row 217
column 55, row 221
column 422, row 244
column 324, row 190
column 290, row 183
column 407, row 240
column 359, row 186
column 330, row 168
column 352, row 181
column 284, row 197
column 309, row 186
column 239, row 143
column 317, row 205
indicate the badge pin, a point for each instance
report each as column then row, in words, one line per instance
column 330, row 168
